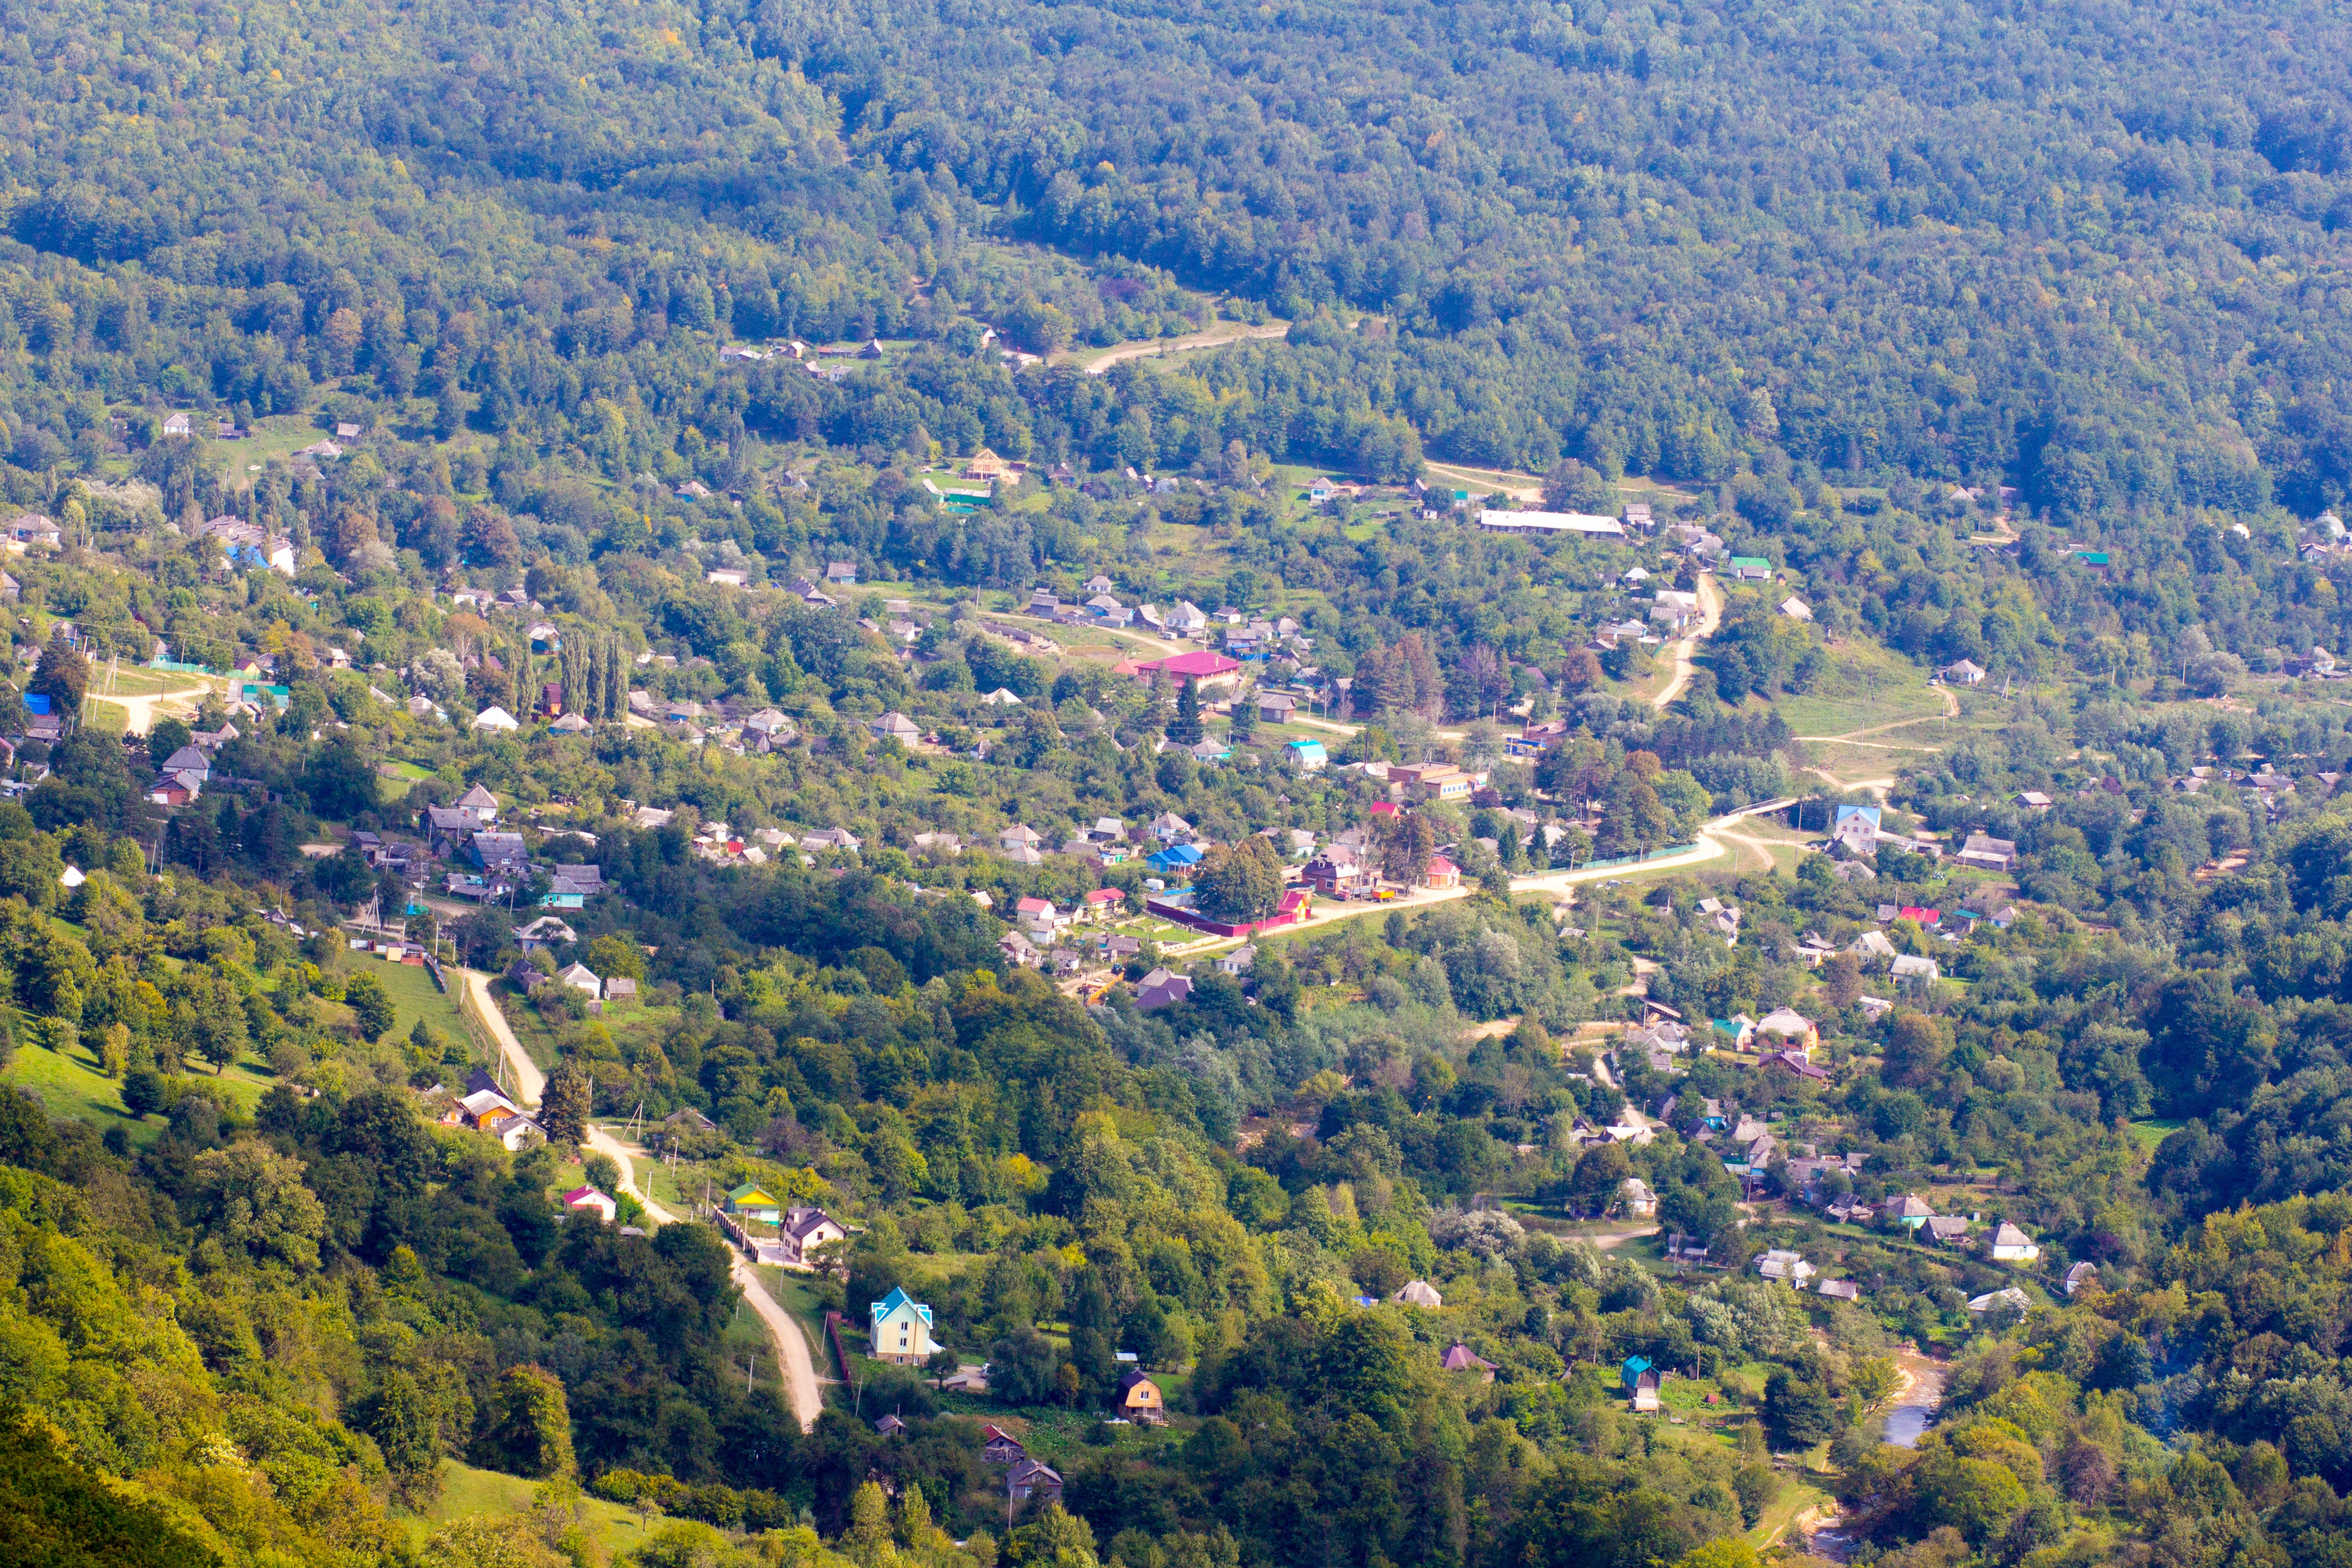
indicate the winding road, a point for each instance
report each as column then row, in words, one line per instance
column 793, row 1353
column 1709, row 845
column 792, row 1344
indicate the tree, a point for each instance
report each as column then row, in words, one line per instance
column 1240, row 882
column 565, row 1104
column 1917, row 1045
column 1244, row 718
column 1406, row 843
column 59, row 1512
column 1841, row 977
column 2209, row 1046
column 168, row 734
column 62, row 676
column 1023, row 1367
column 253, row 1198
column 1186, row 730
column 486, row 1542
column 613, row 954
column 406, row 1425
column 142, row 1092
column 1571, row 487
column 941, row 1365
column 1798, row 1410
column 1091, row 1323
column 371, row 1008
column 529, row 1429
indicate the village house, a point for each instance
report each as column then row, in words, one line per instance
column 999, row 1446
column 1790, row 1268
column 900, row 1330
column 804, row 1230
column 1433, row 781
column 1460, row 1357
column 2010, row 1245
column 751, row 1201
column 1140, row 1400
column 1988, row 854
column 588, row 1201
column 1032, row 1481
column 1856, row 828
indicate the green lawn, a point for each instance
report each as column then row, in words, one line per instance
column 2151, row 1133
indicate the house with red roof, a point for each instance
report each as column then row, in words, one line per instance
column 588, row 1201
column 1102, row 904
column 1441, row 873
column 1925, row 917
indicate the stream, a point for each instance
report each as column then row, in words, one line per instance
column 1907, row 1421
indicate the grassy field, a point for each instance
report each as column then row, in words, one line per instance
column 538, row 1033
column 1862, row 686
column 2150, row 1133
column 107, row 718
column 134, row 680
column 70, row 1084
column 414, row 996
column 467, row 1492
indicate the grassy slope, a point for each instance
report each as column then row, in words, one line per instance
column 466, row 1491
column 1862, row 686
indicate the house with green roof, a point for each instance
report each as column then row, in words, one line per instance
column 1751, row 568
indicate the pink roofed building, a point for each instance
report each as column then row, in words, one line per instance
column 1201, row 667
column 588, row 1201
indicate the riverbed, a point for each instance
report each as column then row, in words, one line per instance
column 1923, row 1391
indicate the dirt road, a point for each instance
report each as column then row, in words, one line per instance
column 1707, row 848
column 530, row 1082
column 792, row 1344
column 142, row 706
column 1710, row 616
column 1182, row 345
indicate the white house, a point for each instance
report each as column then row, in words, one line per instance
column 1633, row 1195
column 581, row 979
column 2010, row 1245
column 495, row 717
column 1790, row 1268
column 588, row 1201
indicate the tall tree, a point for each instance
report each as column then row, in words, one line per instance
column 1186, row 730
column 564, row 1105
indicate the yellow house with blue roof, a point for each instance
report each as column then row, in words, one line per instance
column 901, row 1329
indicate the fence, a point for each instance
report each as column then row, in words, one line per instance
column 1636, row 859
column 833, row 1340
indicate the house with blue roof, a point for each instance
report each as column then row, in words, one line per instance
column 901, row 1329
column 1855, row 826
column 1176, row 860
column 1307, row 755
